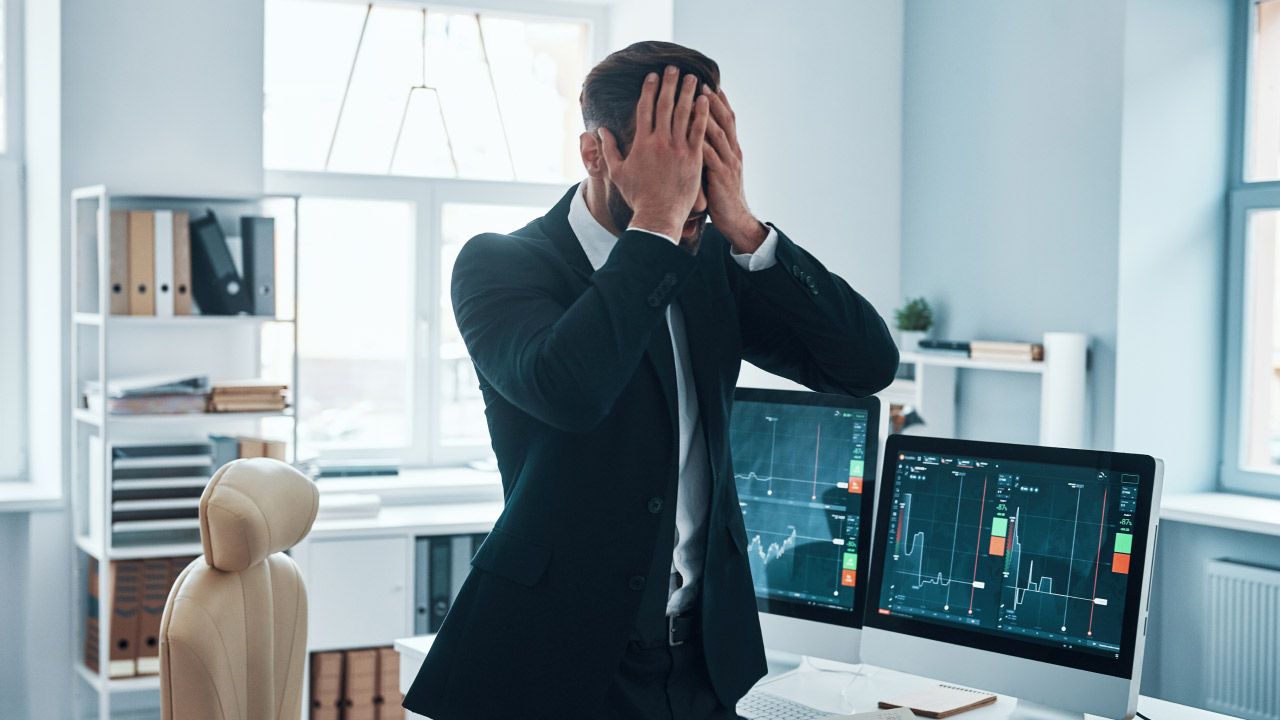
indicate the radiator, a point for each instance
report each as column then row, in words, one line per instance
column 1242, row 626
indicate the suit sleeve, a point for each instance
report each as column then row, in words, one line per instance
column 802, row 322
column 564, row 365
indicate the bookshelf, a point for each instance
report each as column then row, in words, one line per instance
column 107, row 346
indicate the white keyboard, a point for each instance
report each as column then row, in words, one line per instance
column 760, row 705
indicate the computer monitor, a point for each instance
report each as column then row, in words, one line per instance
column 1015, row 569
column 804, row 465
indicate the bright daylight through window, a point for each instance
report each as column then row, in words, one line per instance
column 395, row 90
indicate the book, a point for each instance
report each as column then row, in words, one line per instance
column 991, row 350
column 151, row 385
column 957, row 345
column 940, row 701
column 148, row 404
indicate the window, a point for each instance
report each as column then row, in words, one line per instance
column 1251, row 431
column 395, row 90
column 13, row 423
column 400, row 156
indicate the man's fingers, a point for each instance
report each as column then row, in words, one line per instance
column 724, row 116
column 644, row 108
column 609, row 150
column 718, row 138
column 666, row 100
column 711, row 158
column 684, row 106
column 701, row 114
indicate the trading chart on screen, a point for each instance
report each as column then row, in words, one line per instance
column 799, row 472
column 1036, row 551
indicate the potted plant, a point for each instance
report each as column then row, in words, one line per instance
column 913, row 320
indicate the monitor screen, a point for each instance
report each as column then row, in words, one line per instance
column 804, row 465
column 1029, row 551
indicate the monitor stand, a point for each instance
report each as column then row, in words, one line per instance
column 1027, row 710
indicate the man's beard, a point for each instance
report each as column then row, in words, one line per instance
column 621, row 213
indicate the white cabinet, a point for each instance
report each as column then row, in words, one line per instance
column 357, row 591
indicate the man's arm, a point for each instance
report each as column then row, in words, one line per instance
column 564, row 366
column 802, row 322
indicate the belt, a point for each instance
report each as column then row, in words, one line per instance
column 683, row 627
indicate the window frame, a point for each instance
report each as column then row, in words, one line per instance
column 427, row 196
column 1243, row 198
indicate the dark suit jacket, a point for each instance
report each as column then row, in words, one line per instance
column 583, row 422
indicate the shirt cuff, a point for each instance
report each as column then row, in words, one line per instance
column 763, row 258
column 655, row 234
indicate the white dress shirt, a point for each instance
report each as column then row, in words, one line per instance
column 693, row 490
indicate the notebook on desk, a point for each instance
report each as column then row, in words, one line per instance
column 940, row 701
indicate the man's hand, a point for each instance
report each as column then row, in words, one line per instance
column 726, row 199
column 662, row 173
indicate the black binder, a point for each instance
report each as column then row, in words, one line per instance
column 217, row 287
column 259, row 237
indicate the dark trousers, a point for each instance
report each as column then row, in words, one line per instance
column 660, row 682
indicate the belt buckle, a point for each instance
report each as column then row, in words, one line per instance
column 671, row 632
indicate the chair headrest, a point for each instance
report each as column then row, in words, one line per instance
column 252, row 508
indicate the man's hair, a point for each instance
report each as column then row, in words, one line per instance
column 612, row 88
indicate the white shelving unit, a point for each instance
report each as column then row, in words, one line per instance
column 1064, row 396
column 105, row 347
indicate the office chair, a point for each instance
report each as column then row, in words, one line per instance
column 234, row 631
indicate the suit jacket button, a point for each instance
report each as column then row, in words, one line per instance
column 813, row 290
column 636, row 583
column 670, row 279
column 655, row 505
column 795, row 270
column 654, row 301
column 809, row 281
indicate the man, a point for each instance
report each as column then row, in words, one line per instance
column 607, row 336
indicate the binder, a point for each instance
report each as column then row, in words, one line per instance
column 156, row 581
column 274, row 449
column 181, row 264
column 126, row 584
column 252, row 447
column 359, row 684
column 388, row 700
column 217, row 286
column 326, row 685
column 118, row 248
column 225, row 449
column 92, row 625
column 142, row 266
column 176, row 566
column 258, row 237
column 441, row 581
column 163, row 284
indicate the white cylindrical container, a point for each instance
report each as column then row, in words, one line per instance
column 1063, row 390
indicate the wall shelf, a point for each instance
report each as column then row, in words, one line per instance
column 958, row 361
column 104, row 685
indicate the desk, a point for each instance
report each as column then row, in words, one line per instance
column 835, row 687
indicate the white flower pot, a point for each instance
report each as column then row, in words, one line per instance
column 910, row 340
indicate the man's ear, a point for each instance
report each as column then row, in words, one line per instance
column 592, row 155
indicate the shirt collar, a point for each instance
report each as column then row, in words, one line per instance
column 597, row 242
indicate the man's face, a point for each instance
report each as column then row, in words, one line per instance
column 621, row 213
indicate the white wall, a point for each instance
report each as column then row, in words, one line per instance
column 1172, row 235
column 817, row 88
column 1011, row 146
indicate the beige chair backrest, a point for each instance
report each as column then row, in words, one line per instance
column 234, row 634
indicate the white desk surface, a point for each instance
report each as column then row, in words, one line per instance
column 835, row 688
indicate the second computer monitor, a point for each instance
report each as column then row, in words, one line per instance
column 804, row 465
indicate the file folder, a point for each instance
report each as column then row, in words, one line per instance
column 118, row 249
column 326, row 686
column 142, row 266
column 156, row 581
column 360, row 684
column 126, row 583
column 217, row 286
column 181, row 264
column 258, row 237
column 389, row 699
column 163, row 284
column 92, row 623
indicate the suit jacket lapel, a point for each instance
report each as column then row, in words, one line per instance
column 555, row 225
column 704, row 331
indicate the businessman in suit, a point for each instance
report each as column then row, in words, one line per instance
column 607, row 336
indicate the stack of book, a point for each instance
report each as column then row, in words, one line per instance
column 985, row 350
column 248, row 396
column 1009, row 351
column 147, row 395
